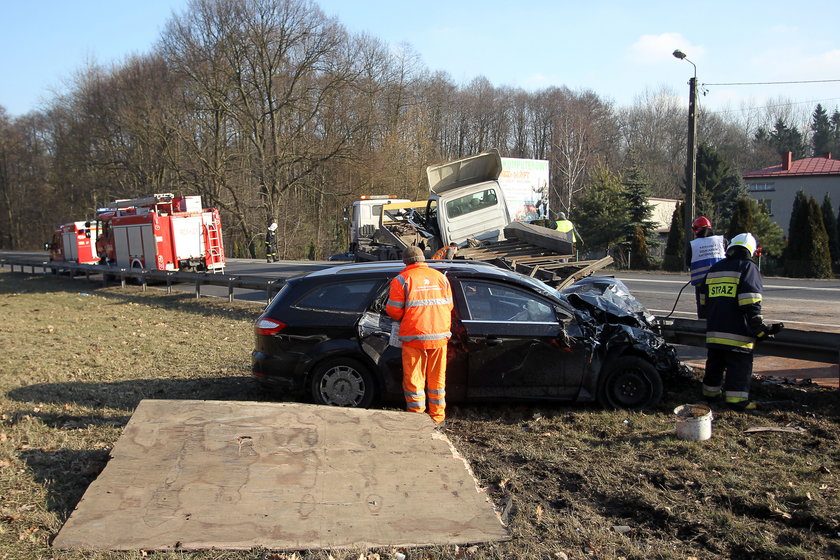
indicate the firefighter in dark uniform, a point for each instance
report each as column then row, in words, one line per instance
column 271, row 243
column 733, row 322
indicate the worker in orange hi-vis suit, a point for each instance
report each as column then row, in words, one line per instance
column 421, row 299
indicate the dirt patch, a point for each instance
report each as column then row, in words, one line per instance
column 571, row 481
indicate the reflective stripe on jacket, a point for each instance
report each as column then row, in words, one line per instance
column 705, row 251
column 733, row 297
column 421, row 299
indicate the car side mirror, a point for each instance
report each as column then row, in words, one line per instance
column 46, row 246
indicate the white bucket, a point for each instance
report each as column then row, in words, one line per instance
column 694, row 422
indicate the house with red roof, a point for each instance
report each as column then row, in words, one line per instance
column 775, row 187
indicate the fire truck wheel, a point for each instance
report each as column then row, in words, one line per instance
column 342, row 382
column 630, row 382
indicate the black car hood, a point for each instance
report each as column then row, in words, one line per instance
column 608, row 300
column 611, row 317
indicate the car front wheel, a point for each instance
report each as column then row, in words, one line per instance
column 342, row 382
column 630, row 382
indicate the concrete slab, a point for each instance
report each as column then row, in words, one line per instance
column 285, row 476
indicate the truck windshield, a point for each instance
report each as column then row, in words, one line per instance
column 471, row 203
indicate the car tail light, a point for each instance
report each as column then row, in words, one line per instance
column 268, row 326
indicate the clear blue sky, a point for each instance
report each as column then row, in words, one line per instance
column 618, row 50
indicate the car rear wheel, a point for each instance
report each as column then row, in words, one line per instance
column 630, row 382
column 342, row 382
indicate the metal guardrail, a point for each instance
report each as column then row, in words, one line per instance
column 814, row 346
column 144, row 277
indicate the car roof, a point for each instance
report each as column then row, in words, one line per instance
column 458, row 267
column 394, row 267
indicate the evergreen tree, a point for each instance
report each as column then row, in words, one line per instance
column 831, row 230
column 640, row 210
column 821, row 137
column 838, row 223
column 742, row 219
column 796, row 245
column 807, row 254
column 785, row 139
column 820, row 256
column 835, row 133
column 768, row 233
column 719, row 186
column 675, row 247
column 639, row 254
column 601, row 211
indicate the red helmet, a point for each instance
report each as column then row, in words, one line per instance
column 701, row 223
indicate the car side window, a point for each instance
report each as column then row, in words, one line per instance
column 346, row 296
column 487, row 301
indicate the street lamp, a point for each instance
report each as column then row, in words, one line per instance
column 691, row 158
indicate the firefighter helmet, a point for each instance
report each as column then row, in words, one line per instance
column 701, row 223
column 745, row 240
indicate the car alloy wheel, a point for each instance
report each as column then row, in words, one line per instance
column 342, row 382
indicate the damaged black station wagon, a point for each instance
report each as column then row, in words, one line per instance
column 326, row 336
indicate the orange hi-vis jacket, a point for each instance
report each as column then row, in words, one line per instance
column 421, row 299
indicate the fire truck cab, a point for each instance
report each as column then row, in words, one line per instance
column 161, row 232
column 74, row 242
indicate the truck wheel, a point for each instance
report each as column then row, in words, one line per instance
column 630, row 382
column 342, row 382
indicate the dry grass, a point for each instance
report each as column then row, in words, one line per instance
column 570, row 480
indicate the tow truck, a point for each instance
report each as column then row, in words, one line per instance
column 467, row 207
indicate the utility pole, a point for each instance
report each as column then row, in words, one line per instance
column 691, row 156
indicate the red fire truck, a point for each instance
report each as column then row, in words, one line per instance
column 74, row 242
column 161, row 232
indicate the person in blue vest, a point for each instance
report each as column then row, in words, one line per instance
column 733, row 323
column 704, row 250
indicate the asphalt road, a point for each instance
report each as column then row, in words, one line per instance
column 800, row 303
column 805, row 304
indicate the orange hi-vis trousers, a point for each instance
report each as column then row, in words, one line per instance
column 424, row 373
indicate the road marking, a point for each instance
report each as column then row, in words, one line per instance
column 774, row 286
column 787, row 322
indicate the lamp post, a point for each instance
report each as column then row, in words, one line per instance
column 691, row 157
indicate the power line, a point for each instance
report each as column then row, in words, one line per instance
column 786, row 104
column 772, row 83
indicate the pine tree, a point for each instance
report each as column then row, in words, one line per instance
column 768, row 233
column 785, row 139
column 639, row 254
column 807, row 254
column 675, row 247
column 719, row 186
column 820, row 257
column 640, row 210
column 796, row 246
column 821, row 137
column 601, row 211
column 831, row 230
column 835, row 133
column 742, row 219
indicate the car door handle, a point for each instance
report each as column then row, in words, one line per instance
column 492, row 341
